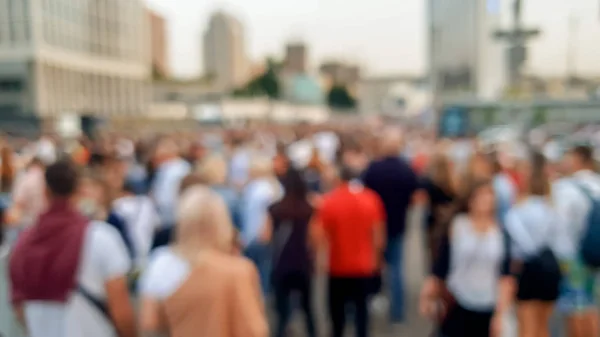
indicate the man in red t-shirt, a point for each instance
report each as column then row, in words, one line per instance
column 350, row 226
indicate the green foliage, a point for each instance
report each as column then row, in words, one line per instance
column 339, row 98
column 266, row 84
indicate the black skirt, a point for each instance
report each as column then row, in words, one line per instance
column 539, row 279
column 461, row 322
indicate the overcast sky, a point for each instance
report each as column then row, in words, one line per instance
column 383, row 36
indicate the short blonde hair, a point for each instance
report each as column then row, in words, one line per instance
column 200, row 210
column 213, row 170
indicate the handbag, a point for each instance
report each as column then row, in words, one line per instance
column 542, row 266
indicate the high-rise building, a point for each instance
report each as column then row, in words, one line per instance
column 89, row 57
column 296, row 58
column 159, row 45
column 225, row 59
column 465, row 59
column 338, row 73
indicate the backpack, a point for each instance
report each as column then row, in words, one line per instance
column 590, row 240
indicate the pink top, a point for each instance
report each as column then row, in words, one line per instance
column 29, row 195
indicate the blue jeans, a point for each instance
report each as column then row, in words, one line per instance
column 394, row 255
column 260, row 254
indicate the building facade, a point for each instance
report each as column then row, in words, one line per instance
column 465, row 59
column 84, row 56
column 225, row 59
column 296, row 59
column 159, row 45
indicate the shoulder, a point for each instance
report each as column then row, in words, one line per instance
column 100, row 233
column 165, row 273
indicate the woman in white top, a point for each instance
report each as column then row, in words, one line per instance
column 532, row 225
column 470, row 288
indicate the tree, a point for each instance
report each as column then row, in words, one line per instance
column 339, row 98
column 265, row 84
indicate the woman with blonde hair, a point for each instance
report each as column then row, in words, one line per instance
column 213, row 172
column 195, row 286
column 262, row 191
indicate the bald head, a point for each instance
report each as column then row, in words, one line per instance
column 391, row 142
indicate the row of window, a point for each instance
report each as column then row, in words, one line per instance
column 109, row 43
column 72, row 90
column 11, row 86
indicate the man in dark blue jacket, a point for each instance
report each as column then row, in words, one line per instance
column 395, row 181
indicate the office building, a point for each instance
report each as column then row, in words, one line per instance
column 296, row 58
column 225, row 59
column 465, row 59
column 338, row 73
column 159, row 45
column 89, row 57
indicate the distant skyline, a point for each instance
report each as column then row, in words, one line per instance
column 382, row 36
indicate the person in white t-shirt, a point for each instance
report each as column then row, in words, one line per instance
column 69, row 275
column 572, row 199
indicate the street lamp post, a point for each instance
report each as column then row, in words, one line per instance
column 516, row 37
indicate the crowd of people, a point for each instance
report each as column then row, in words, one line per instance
column 195, row 234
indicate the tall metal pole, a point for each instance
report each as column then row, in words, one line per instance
column 571, row 46
column 516, row 37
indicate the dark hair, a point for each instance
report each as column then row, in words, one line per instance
column 62, row 178
column 471, row 191
column 585, row 153
column 539, row 182
column 442, row 228
column 346, row 173
column 294, row 185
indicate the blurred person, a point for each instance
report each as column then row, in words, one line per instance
column 348, row 227
column 574, row 198
column 440, row 196
column 28, row 195
column 504, row 187
column 240, row 163
column 482, row 166
column 213, row 171
column 313, row 171
column 288, row 228
column 533, row 227
column 67, row 273
column 196, row 286
column 96, row 202
column 353, row 155
column 140, row 219
column 281, row 162
column 170, row 170
column 470, row 288
column 260, row 193
column 395, row 182
column 7, row 168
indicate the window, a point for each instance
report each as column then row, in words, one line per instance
column 10, row 85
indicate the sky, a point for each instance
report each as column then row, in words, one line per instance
column 382, row 36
